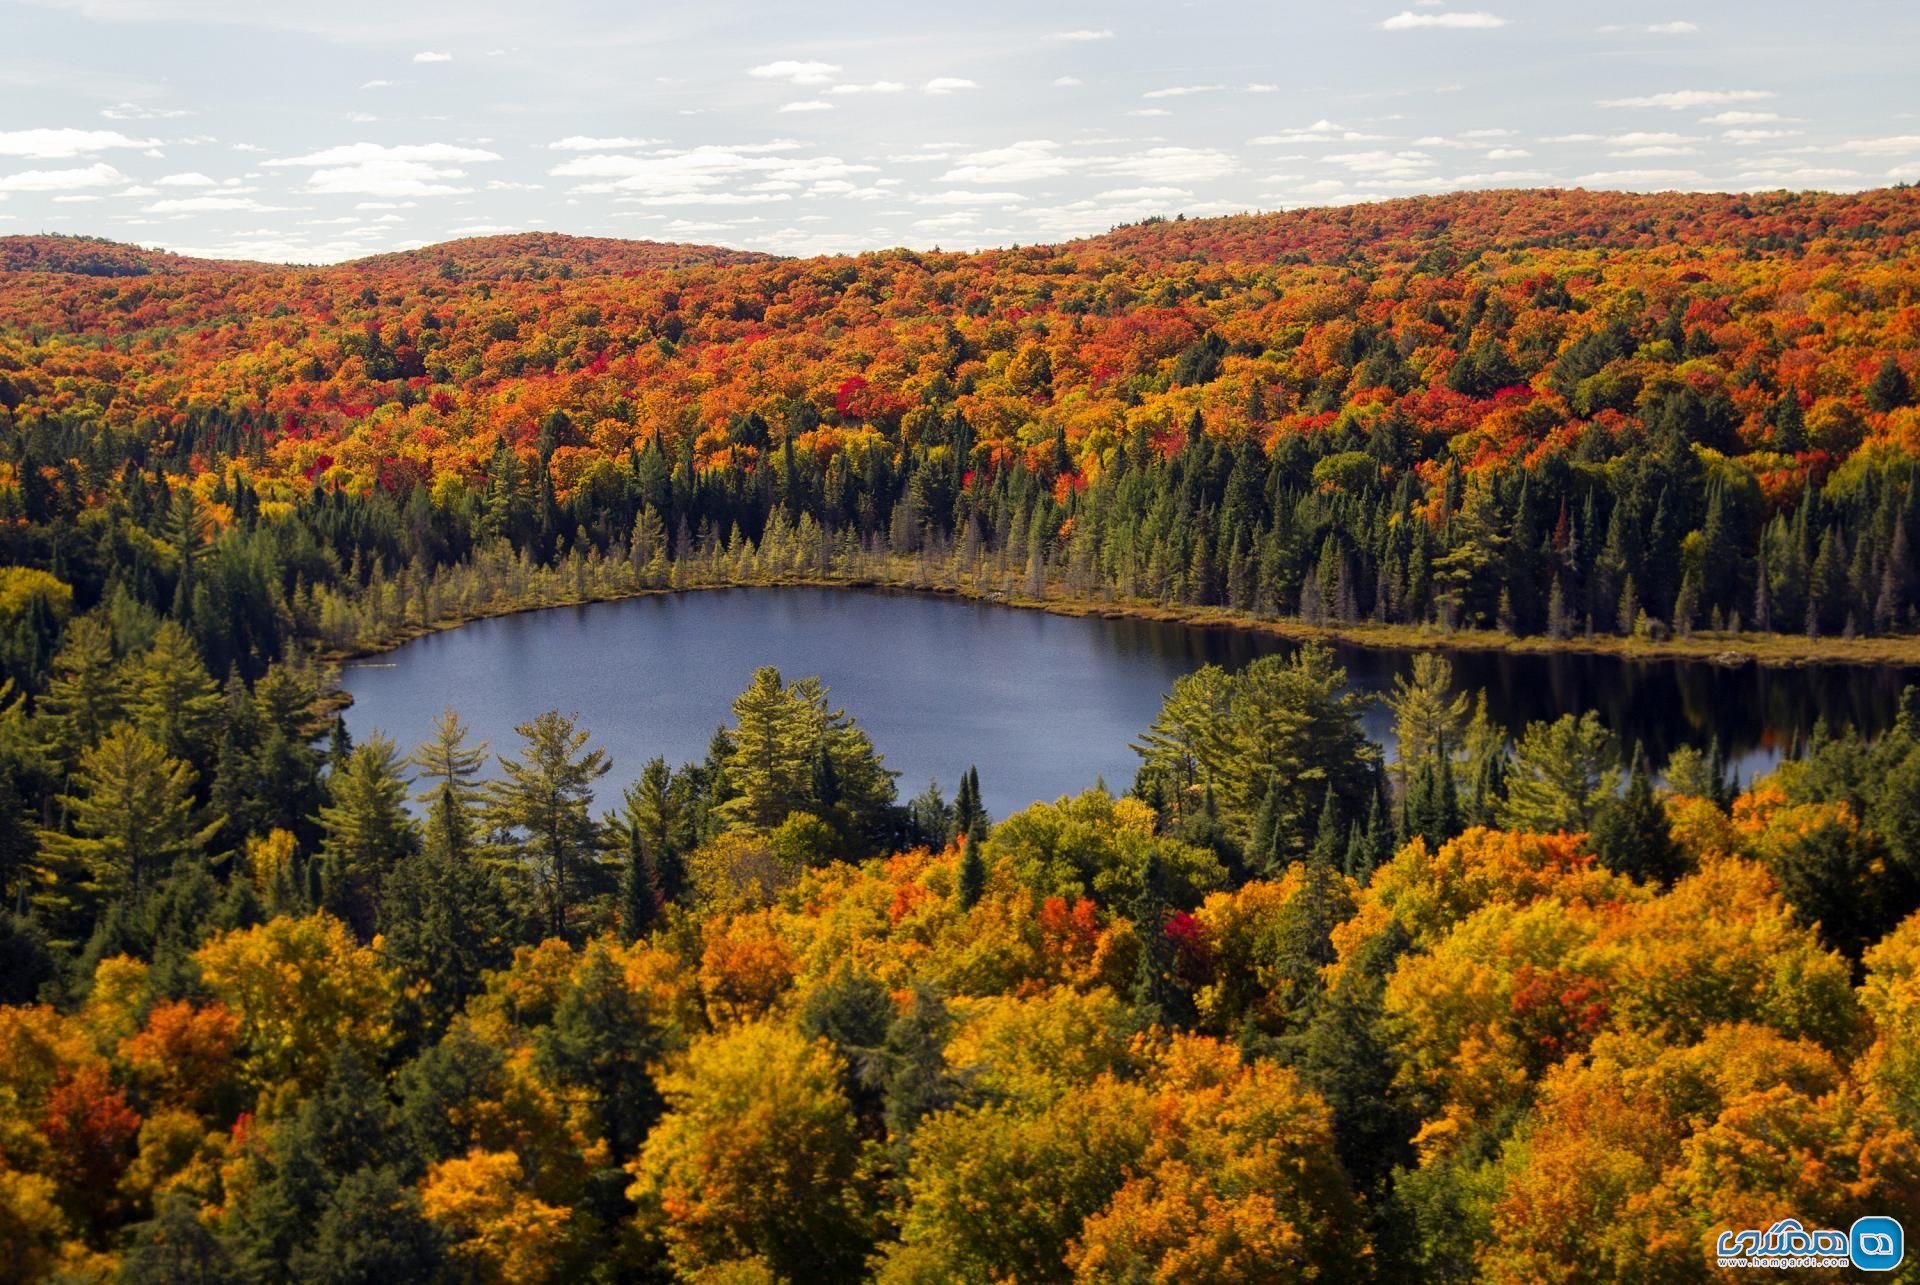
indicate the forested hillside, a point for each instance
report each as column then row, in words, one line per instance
column 275, row 1006
column 1543, row 413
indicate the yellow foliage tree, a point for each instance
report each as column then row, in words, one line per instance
column 498, row 1231
column 302, row 989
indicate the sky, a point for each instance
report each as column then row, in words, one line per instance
column 316, row 132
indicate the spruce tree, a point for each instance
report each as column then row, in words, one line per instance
column 973, row 865
column 1632, row 836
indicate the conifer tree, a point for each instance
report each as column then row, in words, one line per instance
column 542, row 806
column 131, row 815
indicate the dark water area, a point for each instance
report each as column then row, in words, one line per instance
column 1045, row 705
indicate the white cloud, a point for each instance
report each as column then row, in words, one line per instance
column 1321, row 131
column 1508, row 154
column 969, row 198
column 1747, row 137
column 64, row 144
column 701, row 175
column 796, row 72
column 948, row 84
column 1022, row 162
column 355, row 153
column 1683, row 99
column 1501, row 178
column 876, row 87
column 1083, row 35
column 99, row 174
column 581, row 143
column 135, row 111
column 1809, row 176
column 1149, row 111
column 208, row 204
column 807, row 105
column 1169, row 164
column 1641, row 178
column 387, row 178
column 186, row 180
column 1896, row 145
column 372, row 169
column 1067, row 82
column 1453, row 20
column 1142, row 194
column 428, row 55
column 1181, row 91
column 709, row 198
column 1741, row 118
column 1384, row 164
column 379, row 84
column 1259, row 87
column 1675, row 28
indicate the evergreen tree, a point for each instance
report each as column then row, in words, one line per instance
column 1889, row 389
column 1561, row 774
column 541, row 806
column 602, row 1044
column 1158, row 997
column 171, row 698
column 1631, row 834
column 367, row 830
column 973, row 864
column 916, row 1081
column 131, row 817
column 444, row 920
column 657, row 818
column 85, row 695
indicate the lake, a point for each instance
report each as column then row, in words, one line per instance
column 1044, row 704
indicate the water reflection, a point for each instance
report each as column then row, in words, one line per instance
column 1044, row 704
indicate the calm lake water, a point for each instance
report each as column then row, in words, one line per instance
column 1043, row 704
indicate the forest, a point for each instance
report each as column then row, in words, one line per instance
column 279, row 1006
column 1501, row 1010
column 1556, row 415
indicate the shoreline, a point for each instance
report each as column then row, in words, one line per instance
column 1773, row 651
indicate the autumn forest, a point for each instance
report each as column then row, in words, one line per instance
column 277, row 1004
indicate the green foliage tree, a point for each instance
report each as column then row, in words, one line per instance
column 131, row 817
column 1562, row 773
column 1631, row 833
column 541, row 806
column 367, row 829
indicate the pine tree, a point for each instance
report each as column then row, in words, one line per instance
column 1890, row 389
column 973, row 865
column 131, row 817
column 916, row 1081
column 171, row 698
column 367, row 830
column 1158, row 997
column 656, row 816
column 1631, row 834
column 85, row 695
column 444, row 920
column 542, row 807
column 449, row 768
column 603, row 1043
